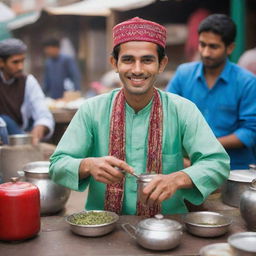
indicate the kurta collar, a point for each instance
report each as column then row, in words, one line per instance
column 146, row 109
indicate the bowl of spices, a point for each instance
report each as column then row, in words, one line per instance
column 206, row 223
column 92, row 223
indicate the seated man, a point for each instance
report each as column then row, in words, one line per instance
column 223, row 92
column 21, row 97
column 138, row 128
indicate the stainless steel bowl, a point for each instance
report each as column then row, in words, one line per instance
column 221, row 249
column 206, row 224
column 243, row 243
column 92, row 230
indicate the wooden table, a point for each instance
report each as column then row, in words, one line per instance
column 55, row 238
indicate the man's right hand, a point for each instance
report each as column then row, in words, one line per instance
column 104, row 169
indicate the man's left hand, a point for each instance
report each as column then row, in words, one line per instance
column 163, row 187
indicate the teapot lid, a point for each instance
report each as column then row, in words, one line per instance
column 158, row 223
column 242, row 175
column 15, row 185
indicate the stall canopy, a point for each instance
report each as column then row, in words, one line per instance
column 85, row 8
column 5, row 15
column 98, row 7
column 23, row 20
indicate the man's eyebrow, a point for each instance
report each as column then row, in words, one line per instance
column 149, row 56
column 126, row 56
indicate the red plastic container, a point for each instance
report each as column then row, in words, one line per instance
column 19, row 210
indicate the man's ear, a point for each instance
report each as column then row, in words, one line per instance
column 1, row 62
column 230, row 48
column 163, row 64
column 113, row 62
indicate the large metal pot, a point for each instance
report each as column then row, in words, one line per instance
column 238, row 182
column 14, row 156
column 52, row 196
column 248, row 206
column 156, row 233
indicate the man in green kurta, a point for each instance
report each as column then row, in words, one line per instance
column 139, row 129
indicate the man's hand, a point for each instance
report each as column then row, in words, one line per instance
column 38, row 133
column 104, row 169
column 163, row 187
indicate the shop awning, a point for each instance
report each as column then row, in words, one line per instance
column 6, row 13
column 98, row 7
column 23, row 20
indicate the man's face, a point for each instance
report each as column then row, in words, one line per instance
column 138, row 66
column 212, row 50
column 51, row 51
column 13, row 66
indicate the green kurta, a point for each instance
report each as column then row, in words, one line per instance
column 185, row 132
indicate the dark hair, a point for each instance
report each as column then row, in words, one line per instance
column 51, row 42
column 160, row 52
column 5, row 57
column 219, row 24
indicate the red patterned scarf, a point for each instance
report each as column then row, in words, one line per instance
column 114, row 192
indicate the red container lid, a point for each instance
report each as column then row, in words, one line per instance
column 16, row 186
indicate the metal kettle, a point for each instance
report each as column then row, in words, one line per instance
column 156, row 233
column 16, row 154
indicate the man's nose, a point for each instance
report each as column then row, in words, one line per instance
column 206, row 52
column 20, row 66
column 137, row 68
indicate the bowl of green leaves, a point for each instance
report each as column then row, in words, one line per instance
column 92, row 223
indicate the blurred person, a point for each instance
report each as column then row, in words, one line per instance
column 21, row 97
column 61, row 72
column 224, row 92
column 138, row 128
column 248, row 60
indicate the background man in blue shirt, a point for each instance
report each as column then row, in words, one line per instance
column 60, row 71
column 224, row 92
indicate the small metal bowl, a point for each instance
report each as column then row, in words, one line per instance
column 206, row 224
column 222, row 249
column 243, row 243
column 92, row 230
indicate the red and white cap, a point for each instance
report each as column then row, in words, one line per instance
column 137, row 29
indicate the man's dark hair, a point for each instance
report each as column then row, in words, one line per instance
column 52, row 42
column 160, row 52
column 219, row 24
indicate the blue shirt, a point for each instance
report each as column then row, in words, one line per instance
column 57, row 71
column 229, row 106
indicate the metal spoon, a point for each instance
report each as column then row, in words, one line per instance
column 133, row 174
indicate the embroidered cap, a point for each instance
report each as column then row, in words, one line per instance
column 137, row 29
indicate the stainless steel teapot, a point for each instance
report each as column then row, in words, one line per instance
column 156, row 233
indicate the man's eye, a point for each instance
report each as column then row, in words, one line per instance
column 127, row 60
column 148, row 60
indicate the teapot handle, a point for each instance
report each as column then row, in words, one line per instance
column 128, row 231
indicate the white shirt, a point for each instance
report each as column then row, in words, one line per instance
column 34, row 105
